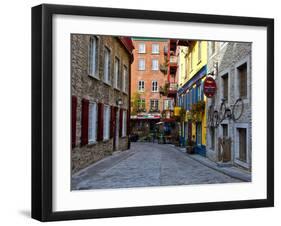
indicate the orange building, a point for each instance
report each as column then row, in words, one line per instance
column 149, row 75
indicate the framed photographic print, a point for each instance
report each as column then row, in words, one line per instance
column 146, row 112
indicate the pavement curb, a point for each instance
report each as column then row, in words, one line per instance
column 231, row 171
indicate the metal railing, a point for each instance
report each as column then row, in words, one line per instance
column 173, row 86
column 173, row 59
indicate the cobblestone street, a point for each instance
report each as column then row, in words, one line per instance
column 147, row 164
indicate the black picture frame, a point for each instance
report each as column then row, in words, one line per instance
column 42, row 107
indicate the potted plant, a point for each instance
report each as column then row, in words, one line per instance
column 196, row 111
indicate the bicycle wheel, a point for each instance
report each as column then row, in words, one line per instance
column 237, row 109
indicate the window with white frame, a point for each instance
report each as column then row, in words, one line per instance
column 168, row 104
column 155, row 48
column 141, row 104
column 141, row 86
column 154, row 105
column 125, row 79
column 141, row 48
column 93, row 57
column 92, row 127
column 141, row 64
column 124, row 125
column 117, row 73
column 106, row 66
column 154, row 86
column 199, row 51
column 106, row 122
column 155, row 65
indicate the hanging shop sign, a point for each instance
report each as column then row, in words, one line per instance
column 177, row 110
column 209, row 87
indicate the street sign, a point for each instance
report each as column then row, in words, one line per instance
column 209, row 87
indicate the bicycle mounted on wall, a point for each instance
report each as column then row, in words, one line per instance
column 233, row 112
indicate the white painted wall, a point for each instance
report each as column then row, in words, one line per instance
column 15, row 93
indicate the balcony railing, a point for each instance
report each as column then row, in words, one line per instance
column 173, row 60
column 169, row 107
column 173, row 87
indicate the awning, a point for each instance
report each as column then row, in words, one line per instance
column 146, row 116
column 199, row 75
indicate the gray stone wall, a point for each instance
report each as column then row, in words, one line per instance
column 229, row 56
column 94, row 89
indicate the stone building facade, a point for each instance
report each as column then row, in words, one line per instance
column 230, row 64
column 100, row 78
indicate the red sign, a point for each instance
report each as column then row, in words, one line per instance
column 209, row 87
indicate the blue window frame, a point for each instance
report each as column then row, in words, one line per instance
column 187, row 101
column 201, row 91
column 196, row 93
column 185, row 97
column 193, row 96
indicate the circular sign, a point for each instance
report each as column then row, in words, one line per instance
column 209, row 87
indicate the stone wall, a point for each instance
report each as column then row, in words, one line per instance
column 229, row 56
column 94, row 89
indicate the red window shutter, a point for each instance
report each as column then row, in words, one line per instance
column 120, row 122
column 115, row 120
column 112, row 121
column 100, row 122
column 73, row 120
column 85, row 122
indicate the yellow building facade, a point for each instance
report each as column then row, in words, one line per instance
column 190, row 95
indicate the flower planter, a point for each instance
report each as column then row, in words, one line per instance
column 190, row 149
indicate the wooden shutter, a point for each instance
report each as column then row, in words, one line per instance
column 120, row 122
column 100, row 122
column 85, row 122
column 243, row 80
column 73, row 120
column 242, row 144
column 225, row 86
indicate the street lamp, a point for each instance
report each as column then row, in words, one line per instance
column 215, row 71
column 119, row 102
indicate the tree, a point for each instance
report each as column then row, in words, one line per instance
column 135, row 103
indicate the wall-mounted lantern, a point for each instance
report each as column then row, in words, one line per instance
column 119, row 102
